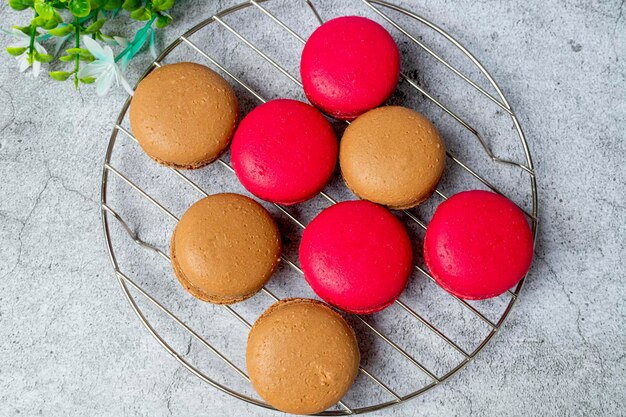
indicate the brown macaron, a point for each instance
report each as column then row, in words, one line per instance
column 392, row 156
column 302, row 356
column 184, row 115
column 225, row 248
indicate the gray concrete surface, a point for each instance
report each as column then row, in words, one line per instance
column 70, row 344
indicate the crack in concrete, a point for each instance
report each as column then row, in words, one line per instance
column 26, row 220
column 621, row 12
column 619, row 17
column 168, row 391
column 74, row 191
column 66, row 188
column 24, row 224
column 579, row 317
column 8, row 216
column 11, row 118
column 175, row 378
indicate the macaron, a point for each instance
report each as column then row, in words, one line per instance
column 183, row 115
column 225, row 248
column 284, row 151
column 478, row 245
column 349, row 65
column 357, row 256
column 392, row 156
column 302, row 356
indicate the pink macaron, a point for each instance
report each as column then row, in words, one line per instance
column 478, row 245
column 284, row 151
column 349, row 65
column 357, row 256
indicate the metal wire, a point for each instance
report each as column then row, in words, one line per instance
column 127, row 283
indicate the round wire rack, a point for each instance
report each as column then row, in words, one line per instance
column 448, row 331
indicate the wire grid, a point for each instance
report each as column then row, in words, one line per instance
column 127, row 283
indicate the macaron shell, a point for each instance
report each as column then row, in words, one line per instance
column 302, row 356
column 284, row 151
column 478, row 245
column 356, row 256
column 183, row 115
column 349, row 65
column 393, row 156
column 225, row 248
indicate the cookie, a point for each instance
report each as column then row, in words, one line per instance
column 302, row 356
column 357, row 256
column 478, row 245
column 225, row 248
column 392, row 156
column 183, row 115
column 349, row 65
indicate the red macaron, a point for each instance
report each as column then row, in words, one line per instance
column 349, row 65
column 284, row 151
column 357, row 256
column 478, row 245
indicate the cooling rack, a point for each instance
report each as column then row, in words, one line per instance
column 378, row 389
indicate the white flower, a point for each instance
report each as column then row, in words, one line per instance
column 22, row 59
column 104, row 68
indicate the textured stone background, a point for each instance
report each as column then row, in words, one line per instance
column 71, row 346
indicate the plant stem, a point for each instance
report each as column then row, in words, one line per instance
column 77, row 40
column 31, row 45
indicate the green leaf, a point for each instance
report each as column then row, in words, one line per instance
column 24, row 29
column 57, row 16
column 43, row 57
column 161, row 5
column 137, row 43
column 78, row 51
column 96, row 4
column 50, row 24
column 112, row 4
column 88, row 80
column 20, row 4
column 16, row 51
column 68, row 58
column 44, row 9
column 59, row 75
column 39, row 21
column 131, row 5
column 95, row 26
column 163, row 20
column 62, row 30
column 80, row 8
column 141, row 14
